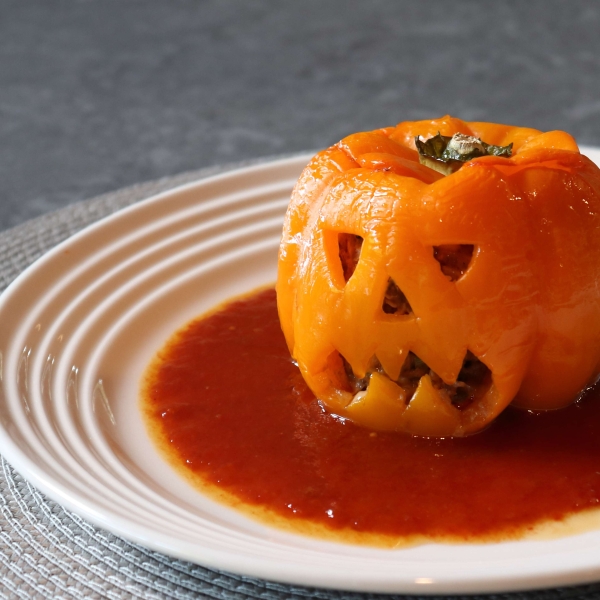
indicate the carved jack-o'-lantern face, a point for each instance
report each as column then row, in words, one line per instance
column 411, row 301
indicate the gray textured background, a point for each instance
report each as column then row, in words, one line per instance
column 99, row 94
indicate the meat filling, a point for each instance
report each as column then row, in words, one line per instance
column 410, row 375
column 472, row 382
column 360, row 384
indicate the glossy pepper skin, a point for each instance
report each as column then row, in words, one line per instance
column 527, row 306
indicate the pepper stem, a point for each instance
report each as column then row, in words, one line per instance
column 447, row 154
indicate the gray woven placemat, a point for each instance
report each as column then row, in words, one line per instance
column 48, row 552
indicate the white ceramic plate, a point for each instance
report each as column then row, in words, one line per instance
column 79, row 327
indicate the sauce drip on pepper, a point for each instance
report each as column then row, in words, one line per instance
column 229, row 407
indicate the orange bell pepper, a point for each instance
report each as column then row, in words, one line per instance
column 424, row 303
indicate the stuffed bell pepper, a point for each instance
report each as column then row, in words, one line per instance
column 432, row 273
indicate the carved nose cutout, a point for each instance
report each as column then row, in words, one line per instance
column 454, row 259
column 349, row 251
column 394, row 301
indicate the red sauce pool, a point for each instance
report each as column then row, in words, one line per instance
column 228, row 406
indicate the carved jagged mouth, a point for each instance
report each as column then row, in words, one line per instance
column 472, row 383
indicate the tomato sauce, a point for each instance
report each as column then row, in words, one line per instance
column 229, row 407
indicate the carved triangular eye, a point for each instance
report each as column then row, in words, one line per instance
column 394, row 301
column 349, row 250
column 454, row 259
